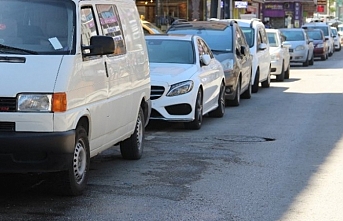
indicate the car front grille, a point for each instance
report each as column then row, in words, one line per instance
column 7, row 104
column 156, row 92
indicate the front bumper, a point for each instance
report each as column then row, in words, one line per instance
column 276, row 67
column 298, row 56
column 36, row 151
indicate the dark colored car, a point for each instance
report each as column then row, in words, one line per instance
column 319, row 42
column 229, row 46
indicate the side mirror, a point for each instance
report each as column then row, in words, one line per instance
column 286, row 45
column 262, row 46
column 99, row 45
column 205, row 59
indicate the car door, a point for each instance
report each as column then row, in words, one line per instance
column 94, row 79
column 263, row 54
column 118, row 74
column 243, row 58
column 210, row 76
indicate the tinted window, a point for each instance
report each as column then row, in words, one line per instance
column 325, row 29
column 315, row 35
column 249, row 35
column 293, row 35
column 170, row 51
column 216, row 39
column 273, row 41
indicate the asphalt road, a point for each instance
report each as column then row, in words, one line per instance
column 275, row 157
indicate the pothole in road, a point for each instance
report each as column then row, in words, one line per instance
column 243, row 139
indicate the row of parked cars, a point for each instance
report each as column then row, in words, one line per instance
column 202, row 66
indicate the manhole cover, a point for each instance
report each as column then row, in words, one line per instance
column 240, row 138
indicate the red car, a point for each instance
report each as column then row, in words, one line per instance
column 319, row 42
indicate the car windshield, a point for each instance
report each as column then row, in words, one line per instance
column 293, row 35
column 170, row 51
column 334, row 31
column 340, row 28
column 325, row 29
column 217, row 40
column 249, row 35
column 315, row 35
column 38, row 27
column 273, row 41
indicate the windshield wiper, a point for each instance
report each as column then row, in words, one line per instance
column 6, row 48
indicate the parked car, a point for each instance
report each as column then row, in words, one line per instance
column 340, row 31
column 187, row 81
column 327, row 32
column 279, row 52
column 150, row 29
column 302, row 48
column 320, row 44
column 229, row 46
column 255, row 33
column 337, row 38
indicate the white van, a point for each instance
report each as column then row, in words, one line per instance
column 74, row 82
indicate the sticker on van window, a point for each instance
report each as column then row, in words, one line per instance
column 2, row 26
column 55, row 43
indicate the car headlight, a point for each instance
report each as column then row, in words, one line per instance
column 180, row 88
column 42, row 102
column 275, row 56
column 300, row 48
column 227, row 65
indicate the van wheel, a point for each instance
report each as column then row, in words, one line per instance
column 132, row 147
column 197, row 122
column 256, row 82
column 74, row 180
column 281, row 76
column 220, row 110
column 236, row 101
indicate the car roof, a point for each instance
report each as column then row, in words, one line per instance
column 272, row 30
column 180, row 37
column 315, row 24
column 248, row 22
column 214, row 25
column 291, row 29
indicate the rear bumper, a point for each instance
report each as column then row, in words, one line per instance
column 36, row 152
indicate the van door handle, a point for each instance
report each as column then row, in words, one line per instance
column 106, row 69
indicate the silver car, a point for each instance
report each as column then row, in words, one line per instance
column 301, row 50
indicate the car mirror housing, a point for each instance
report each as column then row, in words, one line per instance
column 262, row 46
column 205, row 59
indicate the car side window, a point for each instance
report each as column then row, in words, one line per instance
column 88, row 29
column 264, row 35
column 111, row 26
column 205, row 49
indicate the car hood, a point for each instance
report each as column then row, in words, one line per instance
column 37, row 73
column 294, row 44
column 171, row 73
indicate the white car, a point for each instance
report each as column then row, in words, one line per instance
column 279, row 52
column 187, row 82
column 256, row 36
column 337, row 38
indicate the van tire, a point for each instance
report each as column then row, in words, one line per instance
column 197, row 122
column 74, row 181
column 220, row 110
column 132, row 147
column 256, row 82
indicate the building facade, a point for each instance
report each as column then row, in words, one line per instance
column 281, row 14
